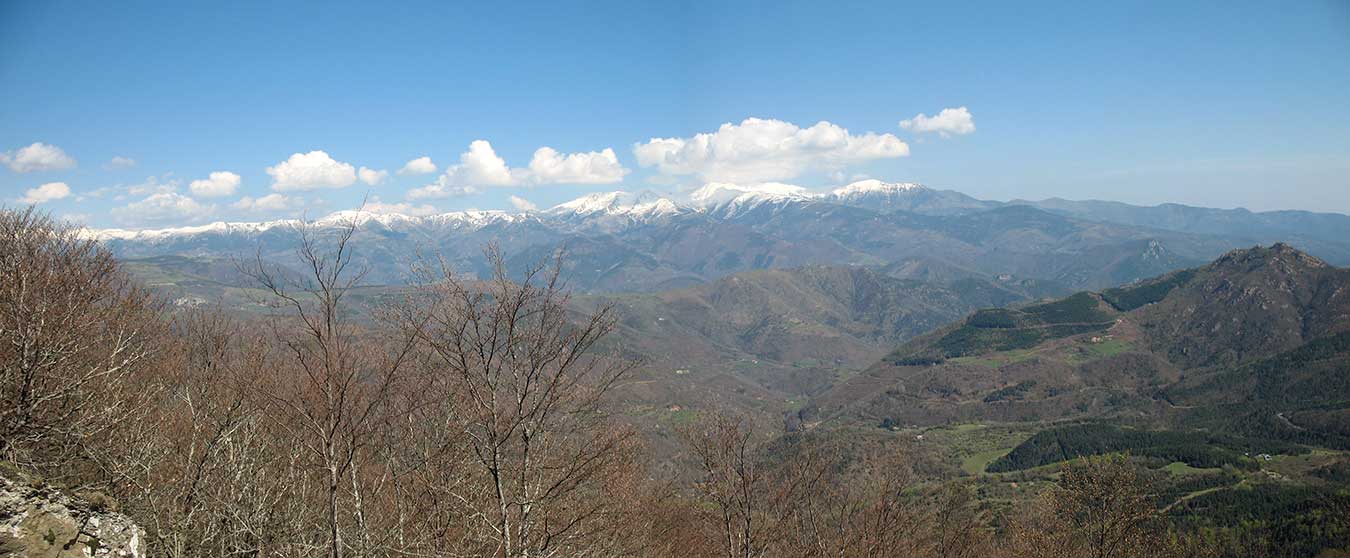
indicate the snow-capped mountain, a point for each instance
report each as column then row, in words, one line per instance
column 642, row 241
column 615, row 211
column 724, row 200
column 727, row 200
column 874, row 187
column 906, row 196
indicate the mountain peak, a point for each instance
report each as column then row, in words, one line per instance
column 874, row 186
column 718, row 193
column 618, row 202
column 1286, row 257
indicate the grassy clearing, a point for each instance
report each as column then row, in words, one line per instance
column 975, row 463
column 1177, row 468
column 978, row 361
column 975, row 445
column 1102, row 349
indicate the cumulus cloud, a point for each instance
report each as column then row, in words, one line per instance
column 420, row 165
column 163, row 207
column 761, row 150
column 266, row 204
column 217, row 184
column 522, row 203
column 595, row 167
column 950, row 122
column 481, row 167
column 311, row 171
column 120, row 162
column 47, row 192
column 37, row 157
column 372, row 176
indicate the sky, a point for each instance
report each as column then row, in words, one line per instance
column 150, row 114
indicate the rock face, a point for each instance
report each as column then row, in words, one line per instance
column 42, row 522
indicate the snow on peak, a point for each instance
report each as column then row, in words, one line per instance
column 874, row 186
column 362, row 217
column 723, row 193
column 642, row 204
column 218, row 227
column 597, row 202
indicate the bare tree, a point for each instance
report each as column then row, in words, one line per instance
column 75, row 334
column 959, row 529
column 730, row 480
column 518, row 378
column 857, row 507
column 202, row 470
column 331, row 394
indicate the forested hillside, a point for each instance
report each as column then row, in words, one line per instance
column 465, row 417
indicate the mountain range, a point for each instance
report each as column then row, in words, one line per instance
column 643, row 242
column 1000, row 341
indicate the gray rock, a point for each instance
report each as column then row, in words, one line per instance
column 39, row 521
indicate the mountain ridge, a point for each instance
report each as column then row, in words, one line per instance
column 1173, row 349
column 645, row 242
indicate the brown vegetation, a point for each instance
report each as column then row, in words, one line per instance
column 463, row 420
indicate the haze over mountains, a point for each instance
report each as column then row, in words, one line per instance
column 643, row 242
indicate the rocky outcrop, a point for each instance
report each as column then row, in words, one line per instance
column 39, row 521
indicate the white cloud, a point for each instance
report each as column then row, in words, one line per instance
column 311, row 171
column 441, row 189
column 480, row 167
column 760, row 150
column 523, row 204
column 595, row 167
column 37, row 157
column 152, row 185
column 217, row 184
column 120, row 162
column 420, row 165
column 400, row 209
column 951, row 121
column 163, row 207
column 120, row 192
column 268, row 203
column 372, row 176
column 47, row 192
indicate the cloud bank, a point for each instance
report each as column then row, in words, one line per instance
column 763, row 150
column 481, row 167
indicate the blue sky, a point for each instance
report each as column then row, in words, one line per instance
column 1221, row 104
